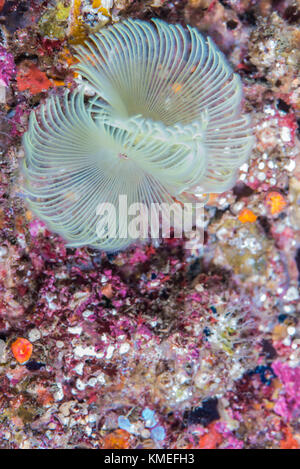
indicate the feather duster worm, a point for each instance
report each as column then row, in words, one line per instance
column 165, row 123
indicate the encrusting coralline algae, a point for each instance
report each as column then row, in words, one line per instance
column 154, row 346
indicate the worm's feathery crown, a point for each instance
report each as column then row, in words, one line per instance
column 165, row 121
column 74, row 162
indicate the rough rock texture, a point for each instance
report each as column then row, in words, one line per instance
column 157, row 346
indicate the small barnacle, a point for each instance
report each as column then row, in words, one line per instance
column 165, row 124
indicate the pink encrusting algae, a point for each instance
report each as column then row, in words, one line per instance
column 155, row 346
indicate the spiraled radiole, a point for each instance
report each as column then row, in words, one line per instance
column 165, row 123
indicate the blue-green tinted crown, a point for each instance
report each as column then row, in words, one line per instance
column 165, row 123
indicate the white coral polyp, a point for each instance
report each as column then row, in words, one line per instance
column 165, row 124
